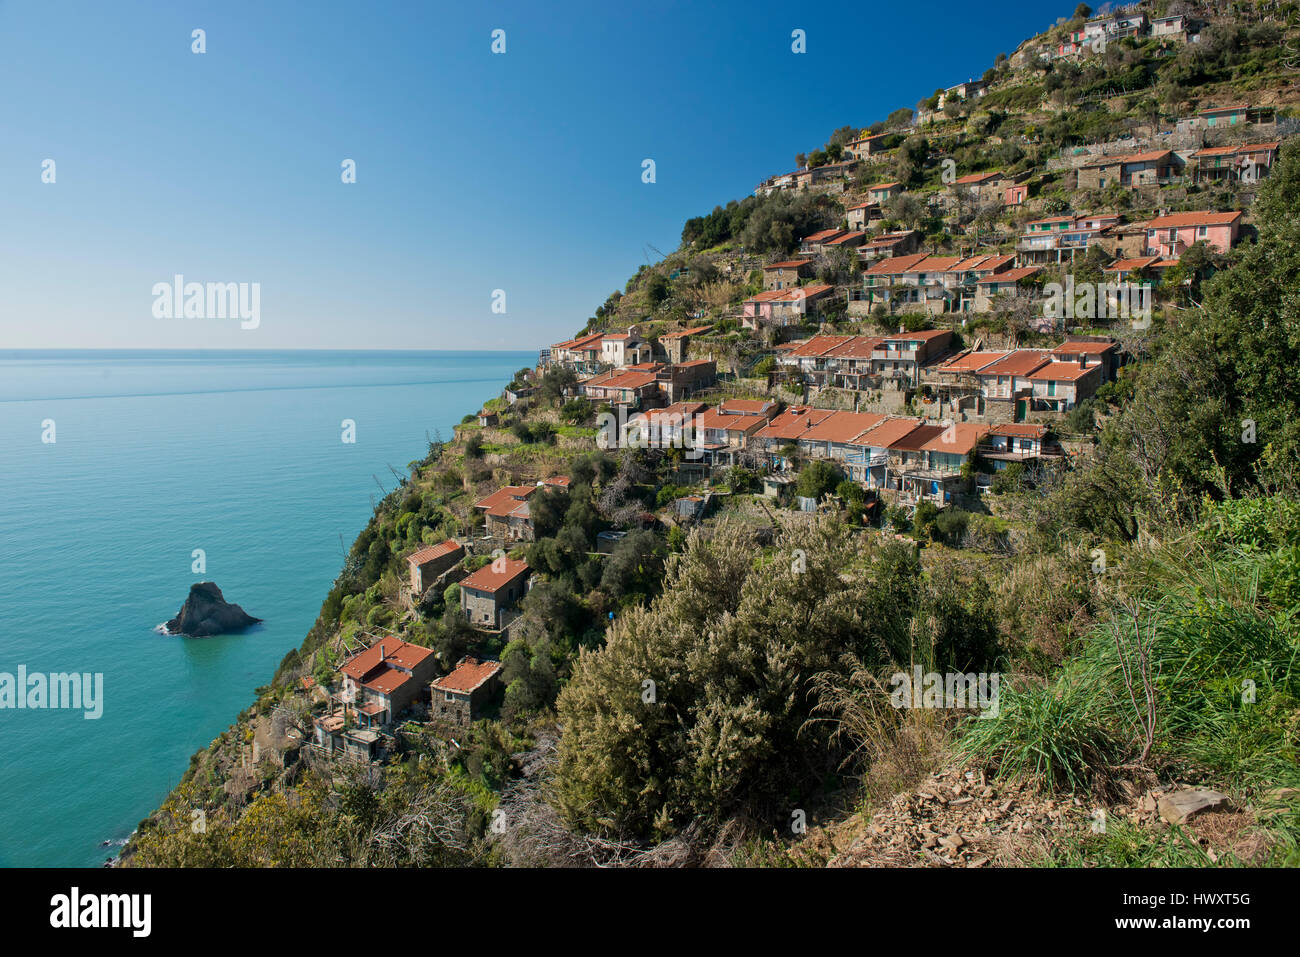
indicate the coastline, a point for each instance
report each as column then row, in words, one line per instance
column 124, row 845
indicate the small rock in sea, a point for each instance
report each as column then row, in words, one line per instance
column 206, row 612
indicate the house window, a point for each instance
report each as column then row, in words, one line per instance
column 1202, row 231
column 448, row 696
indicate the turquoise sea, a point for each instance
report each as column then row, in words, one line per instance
column 156, row 454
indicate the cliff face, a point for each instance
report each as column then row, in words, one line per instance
column 206, row 612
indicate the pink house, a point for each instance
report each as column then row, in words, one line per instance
column 1015, row 195
column 1170, row 236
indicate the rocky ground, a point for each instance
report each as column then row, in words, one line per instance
column 961, row 818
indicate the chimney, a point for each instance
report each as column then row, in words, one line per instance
column 382, row 656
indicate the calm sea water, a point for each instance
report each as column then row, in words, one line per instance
column 157, row 454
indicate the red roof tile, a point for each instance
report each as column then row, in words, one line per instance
column 1085, row 347
column 468, row 676
column 431, row 552
column 1062, row 372
column 381, row 653
column 489, row 579
column 888, row 432
column 958, row 438
column 792, row 423
column 502, row 501
column 1009, row 275
column 1021, row 362
column 1176, row 220
column 387, row 680
column 694, row 330
column 1019, row 430
column 842, row 427
column 971, row 361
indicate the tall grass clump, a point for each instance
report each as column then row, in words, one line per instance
column 1192, row 675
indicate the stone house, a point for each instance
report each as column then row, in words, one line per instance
column 785, row 274
column 1060, row 386
column 461, row 696
column 386, row 679
column 430, row 562
column 487, row 595
column 677, row 345
column 1171, row 235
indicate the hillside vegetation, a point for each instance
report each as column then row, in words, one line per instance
column 685, row 695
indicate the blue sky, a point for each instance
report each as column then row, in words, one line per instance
column 475, row 171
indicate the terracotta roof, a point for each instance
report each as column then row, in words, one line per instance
column 978, row 178
column 937, row 264
column 958, row 438
column 896, row 265
column 1220, row 109
column 431, row 552
column 792, row 423
column 1009, row 275
column 885, row 240
column 488, row 579
column 1128, row 265
column 922, row 335
column 503, row 500
column 1085, row 347
column 917, row 439
column 971, row 361
column 680, row 410
column 632, row 377
column 1020, row 362
column 789, row 264
column 799, row 292
column 822, row 235
column 982, row 263
column 732, row 422
column 857, row 347
column 1062, row 372
column 746, row 406
column 818, row 346
column 387, row 680
column 1147, row 157
column 840, row 240
column 393, row 650
column 888, row 185
column 842, row 427
column 1176, row 220
column 557, row 481
column 1019, row 430
column 580, row 343
column 888, row 432
column 469, row 675
column 685, row 332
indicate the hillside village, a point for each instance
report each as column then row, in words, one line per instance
column 904, row 345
